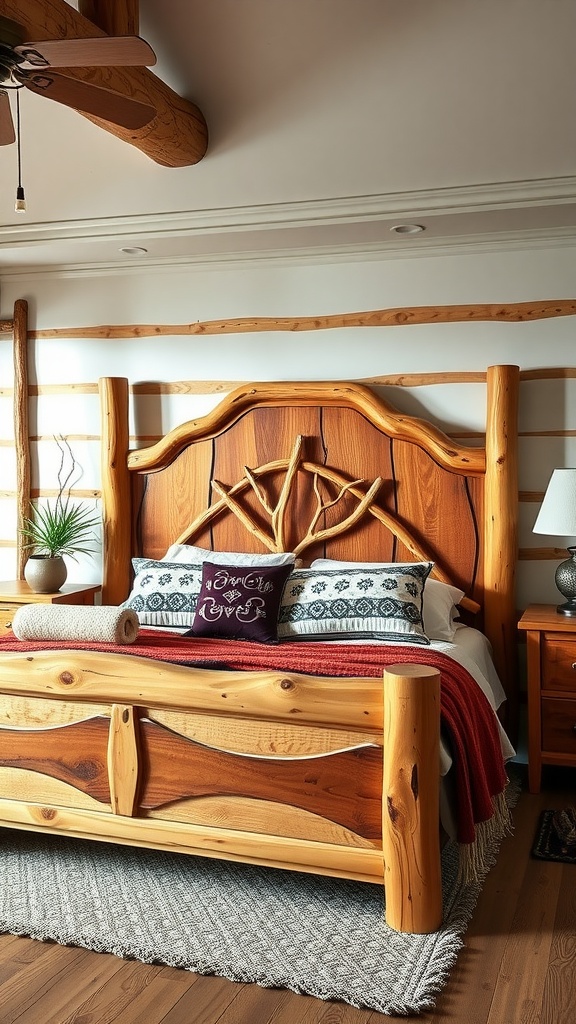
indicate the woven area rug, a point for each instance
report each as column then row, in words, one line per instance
column 321, row 936
column 547, row 843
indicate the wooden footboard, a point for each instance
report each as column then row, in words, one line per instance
column 335, row 776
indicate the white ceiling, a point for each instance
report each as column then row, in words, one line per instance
column 330, row 121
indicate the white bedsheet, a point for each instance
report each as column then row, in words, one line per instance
column 473, row 651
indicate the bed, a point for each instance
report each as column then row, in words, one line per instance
column 293, row 761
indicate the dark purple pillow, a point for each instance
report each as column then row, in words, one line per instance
column 240, row 602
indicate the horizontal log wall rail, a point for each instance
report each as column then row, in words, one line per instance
column 394, row 317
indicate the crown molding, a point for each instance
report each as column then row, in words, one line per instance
column 472, row 245
column 305, row 213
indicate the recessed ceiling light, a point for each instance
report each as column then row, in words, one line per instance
column 134, row 250
column 408, row 229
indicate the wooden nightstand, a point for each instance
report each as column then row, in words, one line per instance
column 14, row 593
column 551, row 659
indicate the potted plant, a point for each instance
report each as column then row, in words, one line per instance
column 52, row 531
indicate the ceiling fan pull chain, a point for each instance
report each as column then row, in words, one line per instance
column 20, row 204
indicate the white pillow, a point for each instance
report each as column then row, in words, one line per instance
column 440, row 613
column 193, row 555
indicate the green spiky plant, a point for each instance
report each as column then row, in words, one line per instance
column 64, row 528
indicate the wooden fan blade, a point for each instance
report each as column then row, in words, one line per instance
column 91, row 99
column 99, row 51
column 7, row 133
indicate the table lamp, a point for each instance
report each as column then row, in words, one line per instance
column 557, row 517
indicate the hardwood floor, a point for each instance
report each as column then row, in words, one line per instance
column 517, row 966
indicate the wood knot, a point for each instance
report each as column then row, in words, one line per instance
column 48, row 813
column 392, row 812
column 66, row 678
column 86, row 770
column 286, row 684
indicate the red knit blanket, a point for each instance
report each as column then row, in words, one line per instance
column 468, row 720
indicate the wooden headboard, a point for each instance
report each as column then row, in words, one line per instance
column 283, row 466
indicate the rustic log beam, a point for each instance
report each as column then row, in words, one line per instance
column 113, row 17
column 176, row 137
column 394, row 317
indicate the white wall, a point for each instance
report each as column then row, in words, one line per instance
column 279, row 289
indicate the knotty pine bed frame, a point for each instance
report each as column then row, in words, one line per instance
column 334, row 471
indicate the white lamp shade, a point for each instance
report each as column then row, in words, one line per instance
column 557, row 515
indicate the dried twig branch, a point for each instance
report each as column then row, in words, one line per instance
column 258, row 491
column 323, row 507
column 279, row 513
column 363, row 506
column 243, row 516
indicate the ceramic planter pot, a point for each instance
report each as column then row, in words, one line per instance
column 45, row 574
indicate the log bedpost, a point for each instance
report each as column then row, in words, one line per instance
column 501, row 528
column 411, row 798
column 116, row 493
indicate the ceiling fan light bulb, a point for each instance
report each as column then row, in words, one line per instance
column 20, row 204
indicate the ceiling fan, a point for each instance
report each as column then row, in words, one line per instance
column 32, row 65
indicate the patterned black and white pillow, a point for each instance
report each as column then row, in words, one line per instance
column 355, row 604
column 164, row 593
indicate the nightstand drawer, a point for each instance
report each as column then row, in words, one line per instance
column 559, row 665
column 7, row 612
column 559, row 725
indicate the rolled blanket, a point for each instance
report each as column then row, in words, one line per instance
column 100, row 624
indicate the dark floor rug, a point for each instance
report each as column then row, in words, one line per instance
column 321, row 936
column 548, row 845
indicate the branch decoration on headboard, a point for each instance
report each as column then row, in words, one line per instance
column 275, row 540
column 277, row 512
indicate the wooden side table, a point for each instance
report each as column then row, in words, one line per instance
column 551, row 661
column 14, row 593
